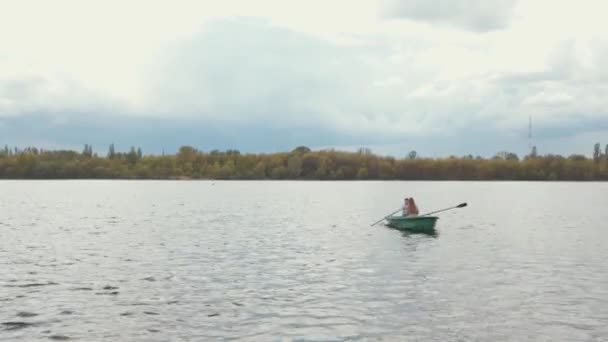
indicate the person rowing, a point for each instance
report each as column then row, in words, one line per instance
column 409, row 207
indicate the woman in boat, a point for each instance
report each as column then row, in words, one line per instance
column 410, row 208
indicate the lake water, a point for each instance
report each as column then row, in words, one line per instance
column 265, row 261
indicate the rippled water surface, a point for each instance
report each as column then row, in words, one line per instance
column 163, row 260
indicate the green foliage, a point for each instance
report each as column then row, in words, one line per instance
column 111, row 152
column 508, row 155
column 294, row 166
column 301, row 163
column 362, row 173
column 132, row 156
column 88, row 151
column 301, row 150
column 597, row 154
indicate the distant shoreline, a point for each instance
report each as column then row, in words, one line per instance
column 309, row 180
column 301, row 164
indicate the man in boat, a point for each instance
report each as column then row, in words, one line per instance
column 409, row 207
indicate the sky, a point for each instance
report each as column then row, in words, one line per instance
column 440, row 77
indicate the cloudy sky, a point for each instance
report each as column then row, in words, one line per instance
column 436, row 76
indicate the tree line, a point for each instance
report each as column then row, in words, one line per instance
column 300, row 163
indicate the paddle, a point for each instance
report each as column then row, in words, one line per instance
column 461, row 205
column 391, row 214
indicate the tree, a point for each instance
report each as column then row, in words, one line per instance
column 213, row 170
column 412, row 155
column 362, row 174
column 534, row 153
column 507, row 156
column 577, row 157
column 111, row 151
column 132, row 156
column 596, row 153
column 279, row 172
column 186, row 154
column 322, row 167
column 227, row 170
column 259, row 171
column 364, row 150
column 310, row 162
column 32, row 162
column 88, row 151
column 301, row 150
column 512, row 157
column 294, row 166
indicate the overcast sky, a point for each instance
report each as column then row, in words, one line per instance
column 437, row 76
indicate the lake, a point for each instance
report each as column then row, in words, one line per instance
column 266, row 261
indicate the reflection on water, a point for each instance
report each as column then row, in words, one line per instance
column 156, row 261
column 408, row 234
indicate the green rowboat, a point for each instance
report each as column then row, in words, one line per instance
column 422, row 224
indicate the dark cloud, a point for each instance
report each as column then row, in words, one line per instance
column 155, row 135
column 472, row 15
column 158, row 134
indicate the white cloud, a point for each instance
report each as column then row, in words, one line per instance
column 341, row 64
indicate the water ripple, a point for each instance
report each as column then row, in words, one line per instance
column 148, row 261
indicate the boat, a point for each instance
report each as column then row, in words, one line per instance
column 419, row 224
column 416, row 224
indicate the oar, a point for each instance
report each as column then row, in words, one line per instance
column 391, row 214
column 461, row 205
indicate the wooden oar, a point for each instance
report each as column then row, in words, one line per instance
column 461, row 205
column 389, row 215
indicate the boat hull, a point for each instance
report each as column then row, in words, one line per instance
column 423, row 224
